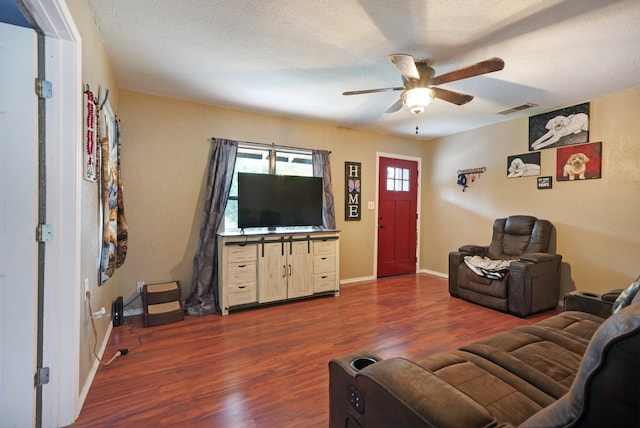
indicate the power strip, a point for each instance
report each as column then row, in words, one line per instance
column 117, row 312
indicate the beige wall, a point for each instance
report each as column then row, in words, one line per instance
column 165, row 148
column 97, row 73
column 598, row 231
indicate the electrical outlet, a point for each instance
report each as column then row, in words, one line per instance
column 100, row 313
column 139, row 286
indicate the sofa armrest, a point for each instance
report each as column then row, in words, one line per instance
column 397, row 392
column 534, row 283
column 456, row 258
column 537, row 257
column 612, row 295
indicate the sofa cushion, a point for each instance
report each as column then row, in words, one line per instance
column 519, row 225
column 519, row 234
column 607, row 386
column 548, row 366
column 490, row 287
column 578, row 325
column 503, row 394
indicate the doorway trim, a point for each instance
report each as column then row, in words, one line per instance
column 63, row 68
column 418, row 208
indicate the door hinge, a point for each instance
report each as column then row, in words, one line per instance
column 44, row 233
column 44, row 88
column 42, row 376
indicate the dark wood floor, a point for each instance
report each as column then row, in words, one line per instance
column 267, row 367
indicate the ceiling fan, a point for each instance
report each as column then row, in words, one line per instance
column 420, row 85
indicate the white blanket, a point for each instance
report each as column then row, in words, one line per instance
column 484, row 266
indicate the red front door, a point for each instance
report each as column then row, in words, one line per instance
column 397, row 216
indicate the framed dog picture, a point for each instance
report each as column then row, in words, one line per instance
column 524, row 165
column 564, row 127
column 581, row 162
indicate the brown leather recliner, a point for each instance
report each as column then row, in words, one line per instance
column 532, row 282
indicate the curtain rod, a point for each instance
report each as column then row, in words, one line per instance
column 272, row 145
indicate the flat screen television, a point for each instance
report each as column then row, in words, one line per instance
column 266, row 200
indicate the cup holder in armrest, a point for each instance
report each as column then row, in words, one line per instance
column 362, row 362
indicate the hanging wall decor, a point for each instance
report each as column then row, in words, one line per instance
column 524, row 165
column 469, row 175
column 581, row 162
column 564, row 127
column 545, row 182
column 90, row 137
column 114, row 226
column 352, row 177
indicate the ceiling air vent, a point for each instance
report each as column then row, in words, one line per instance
column 518, row 108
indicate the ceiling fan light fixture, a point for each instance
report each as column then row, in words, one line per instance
column 417, row 99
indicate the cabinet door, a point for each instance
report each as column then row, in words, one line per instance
column 272, row 273
column 299, row 269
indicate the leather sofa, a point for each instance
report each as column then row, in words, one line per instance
column 532, row 282
column 573, row 369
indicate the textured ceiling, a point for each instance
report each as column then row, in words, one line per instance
column 294, row 58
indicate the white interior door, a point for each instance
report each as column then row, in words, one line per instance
column 18, row 197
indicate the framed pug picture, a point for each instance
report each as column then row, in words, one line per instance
column 564, row 127
column 581, row 162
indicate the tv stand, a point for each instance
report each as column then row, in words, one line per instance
column 260, row 269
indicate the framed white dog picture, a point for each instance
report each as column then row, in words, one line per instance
column 524, row 165
column 564, row 127
column 581, row 162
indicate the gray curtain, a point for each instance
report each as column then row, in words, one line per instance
column 204, row 285
column 322, row 168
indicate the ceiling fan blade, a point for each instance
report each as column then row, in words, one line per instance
column 483, row 67
column 406, row 65
column 370, row 91
column 453, row 97
column 394, row 107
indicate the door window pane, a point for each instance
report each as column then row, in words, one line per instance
column 397, row 179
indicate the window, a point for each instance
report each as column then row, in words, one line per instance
column 397, row 179
column 264, row 160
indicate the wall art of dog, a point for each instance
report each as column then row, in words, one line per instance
column 565, row 127
column 581, row 162
column 524, row 165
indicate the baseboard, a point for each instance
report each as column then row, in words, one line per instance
column 371, row 278
column 361, row 279
column 434, row 273
column 94, row 369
